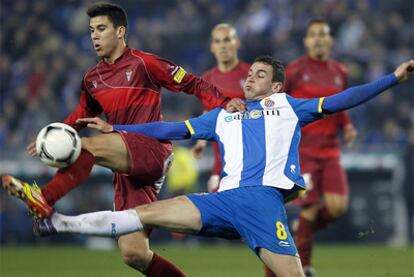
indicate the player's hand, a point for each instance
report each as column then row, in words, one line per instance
column 31, row 149
column 236, row 105
column 198, row 149
column 350, row 134
column 404, row 70
column 96, row 123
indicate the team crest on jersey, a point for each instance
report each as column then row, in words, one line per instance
column 269, row 102
column 338, row 80
column 306, row 78
column 95, row 83
column 128, row 74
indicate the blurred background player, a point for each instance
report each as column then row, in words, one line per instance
column 314, row 75
column 228, row 76
column 125, row 85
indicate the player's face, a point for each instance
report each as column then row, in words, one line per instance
column 224, row 45
column 105, row 37
column 318, row 41
column 259, row 82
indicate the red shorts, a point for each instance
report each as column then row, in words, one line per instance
column 149, row 160
column 321, row 176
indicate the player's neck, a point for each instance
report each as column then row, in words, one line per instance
column 116, row 54
column 319, row 58
column 228, row 65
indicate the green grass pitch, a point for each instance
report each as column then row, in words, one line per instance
column 203, row 261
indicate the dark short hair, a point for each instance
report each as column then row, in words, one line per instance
column 317, row 20
column 278, row 68
column 116, row 14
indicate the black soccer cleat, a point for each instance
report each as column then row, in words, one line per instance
column 43, row 227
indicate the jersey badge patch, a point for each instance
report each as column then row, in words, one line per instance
column 95, row 83
column 269, row 102
column 128, row 74
column 179, row 74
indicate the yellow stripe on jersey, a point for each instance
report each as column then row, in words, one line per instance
column 320, row 104
column 179, row 75
column 190, row 128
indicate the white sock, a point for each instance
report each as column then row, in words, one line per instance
column 105, row 223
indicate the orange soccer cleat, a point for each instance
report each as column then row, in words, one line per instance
column 31, row 195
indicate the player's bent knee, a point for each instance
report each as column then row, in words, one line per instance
column 337, row 209
column 135, row 257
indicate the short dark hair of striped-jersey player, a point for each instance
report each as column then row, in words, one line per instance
column 116, row 14
column 278, row 68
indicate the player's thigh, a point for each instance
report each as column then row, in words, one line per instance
column 281, row 265
column 335, row 187
column 109, row 150
column 178, row 214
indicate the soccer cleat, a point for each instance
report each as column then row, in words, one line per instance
column 31, row 195
column 43, row 227
column 309, row 271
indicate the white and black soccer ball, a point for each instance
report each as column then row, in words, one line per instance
column 58, row 145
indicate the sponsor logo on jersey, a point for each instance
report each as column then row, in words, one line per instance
column 269, row 102
column 284, row 243
column 95, row 83
column 292, row 168
column 178, row 74
column 253, row 114
column 128, row 74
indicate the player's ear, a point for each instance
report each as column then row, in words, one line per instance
column 277, row 87
column 121, row 32
column 237, row 43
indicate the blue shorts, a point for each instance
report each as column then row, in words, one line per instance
column 256, row 214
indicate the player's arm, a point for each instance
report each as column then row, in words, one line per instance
column 87, row 107
column 201, row 127
column 172, row 77
column 357, row 95
column 309, row 110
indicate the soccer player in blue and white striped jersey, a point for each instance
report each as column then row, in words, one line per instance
column 260, row 169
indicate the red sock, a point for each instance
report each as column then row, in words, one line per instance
column 268, row 272
column 69, row 177
column 160, row 267
column 323, row 218
column 304, row 240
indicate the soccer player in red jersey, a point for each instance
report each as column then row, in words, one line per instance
column 125, row 85
column 228, row 76
column 316, row 75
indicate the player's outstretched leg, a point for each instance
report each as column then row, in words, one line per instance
column 281, row 265
column 31, row 195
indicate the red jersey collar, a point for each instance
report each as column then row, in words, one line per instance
column 127, row 50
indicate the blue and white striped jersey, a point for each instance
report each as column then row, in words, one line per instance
column 259, row 146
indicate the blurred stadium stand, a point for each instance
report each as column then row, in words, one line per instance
column 45, row 48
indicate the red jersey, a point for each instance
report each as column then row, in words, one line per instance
column 128, row 91
column 309, row 78
column 231, row 85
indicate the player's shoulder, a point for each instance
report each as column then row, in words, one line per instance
column 244, row 65
column 91, row 71
column 339, row 66
column 207, row 74
column 298, row 62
